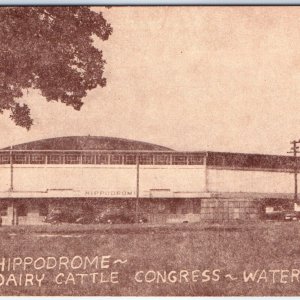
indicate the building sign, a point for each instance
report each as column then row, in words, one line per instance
column 110, row 193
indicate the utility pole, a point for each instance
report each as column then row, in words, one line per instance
column 11, row 169
column 137, row 188
column 294, row 152
column 11, row 158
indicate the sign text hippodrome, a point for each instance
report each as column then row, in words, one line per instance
column 110, row 193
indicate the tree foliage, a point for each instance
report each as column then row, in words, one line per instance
column 50, row 49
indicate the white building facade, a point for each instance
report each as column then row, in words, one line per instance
column 169, row 186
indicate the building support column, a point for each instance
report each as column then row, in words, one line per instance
column 206, row 189
column 137, row 189
column 9, row 216
column 11, row 170
column 12, row 211
column 14, row 220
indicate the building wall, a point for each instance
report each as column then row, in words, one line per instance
column 250, row 181
column 230, row 209
column 152, row 179
column 121, row 177
column 5, row 177
column 86, row 178
column 174, row 178
column 74, row 177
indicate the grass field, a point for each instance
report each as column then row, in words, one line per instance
column 198, row 259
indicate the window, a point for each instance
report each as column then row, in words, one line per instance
column 19, row 158
column 233, row 204
column 196, row 206
column 3, row 210
column 184, row 208
column 162, row 159
column 43, row 209
column 212, row 204
column 22, row 210
column 72, row 159
column 196, row 160
column 130, row 159
column 37, row 159
column 54, row 159
column 218, row 160
column 179, row 160
column 161, row 207
column 146, row 159
column 173, row 206
column 102, row 159
column 4, row 159
column 116, row 159
column 288, row 163
column 244, row 203
column 88, row 159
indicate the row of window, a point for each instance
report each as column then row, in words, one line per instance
column 229, row 204
column 195, row 206
column 251, row 161
column 22, row 209
column 178, row 206
column 127, row 159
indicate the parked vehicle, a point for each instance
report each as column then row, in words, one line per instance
column 120, row 216
column 59, row 215
column 291, row 216
column 109, row 216
column 87, row 219
column 285, row 215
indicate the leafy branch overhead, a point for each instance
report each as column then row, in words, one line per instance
column 50, row 49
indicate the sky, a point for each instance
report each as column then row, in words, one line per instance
column 188, row 78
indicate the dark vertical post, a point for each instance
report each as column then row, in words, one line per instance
column 13, row 212
column 205, row 173
column 296, row 172
column 137, row 189
column 13, row 222
column 11, row 169
column 295, row 151
column 16, row 215
column 63, row 158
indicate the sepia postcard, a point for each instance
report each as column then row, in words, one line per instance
column 149, row 151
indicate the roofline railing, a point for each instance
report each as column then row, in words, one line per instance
column 107, row 151
column 101, row 157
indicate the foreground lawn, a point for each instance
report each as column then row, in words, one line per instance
column 173, row 260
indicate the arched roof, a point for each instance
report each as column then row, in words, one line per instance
column 89, row 143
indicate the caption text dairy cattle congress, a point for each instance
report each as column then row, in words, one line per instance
column 104, row 269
